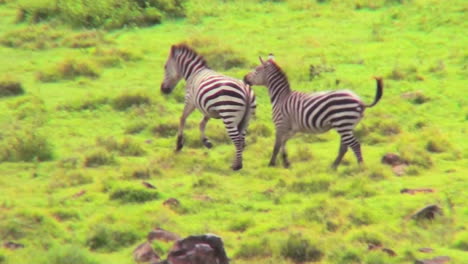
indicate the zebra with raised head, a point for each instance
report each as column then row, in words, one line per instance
column 295, row 111
column 215, row 95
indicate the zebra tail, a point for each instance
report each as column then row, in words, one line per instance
column 243, row 123
column 379, row 93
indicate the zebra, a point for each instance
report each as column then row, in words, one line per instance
column 295, row 111
column 215, row 95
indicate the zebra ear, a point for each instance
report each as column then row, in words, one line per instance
column 173, row 47
column 271, row 56
column 261, row 60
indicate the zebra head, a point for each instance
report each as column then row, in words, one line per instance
column 258, row 75
column 172, row 74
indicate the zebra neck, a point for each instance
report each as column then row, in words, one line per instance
column 191, row 69
column 278, row 91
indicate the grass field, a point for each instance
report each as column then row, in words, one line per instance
column 83, row 123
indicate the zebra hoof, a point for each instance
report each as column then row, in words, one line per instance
column 180, row 143
column 236, row 167
column 287, row 165
column 207, row 143
column 271, row 164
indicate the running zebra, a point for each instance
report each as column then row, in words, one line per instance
column 215, row 95
column 313, row 113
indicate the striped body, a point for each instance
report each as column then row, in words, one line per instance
column 215, row 95
column 295, row 111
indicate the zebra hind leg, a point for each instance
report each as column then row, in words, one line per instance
column 238, row 140
column 341, row 152
column 276, row 149
column 206, row 142
column 188, row 109
column 284, row 156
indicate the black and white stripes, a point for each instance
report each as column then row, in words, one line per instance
column 313, row 113
column 215, row 95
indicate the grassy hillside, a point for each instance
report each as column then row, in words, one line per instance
column 83, row 123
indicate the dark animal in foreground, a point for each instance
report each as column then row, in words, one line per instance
column 215, row 95
column 203, row 249
column 295, row 111
column 145, row 253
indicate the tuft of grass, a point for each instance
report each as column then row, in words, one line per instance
column 314, row 186
column 66, row 214
column 69, row 178
column 108, row 239
column 218, row 55
column 126, row 147
column 69, row 69
column 138, row 172
column 38, row 37
column 127, row 100
column 68, row 254
column 409, row 73
column 132, row 195
column 25, row 145
column 85, row 39
column 417, row 97
column 461, row 241
column 135, row 127
column 112, row 57
column 10, row 87
column 300, row 249
column 85, row 104
column 254, row 249
column 241, row 225
column 99, row 157
column 166, row 129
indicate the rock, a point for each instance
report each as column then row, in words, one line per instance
column 415, row 191
column 436, row 260
column 148, row 185
column 426, row 250
column 389, row 251
column 12, row 245
column 428, row 212
column 392, row 159
column 203, row 249
column 172, row 203
column 145, row 253
column 163, row 235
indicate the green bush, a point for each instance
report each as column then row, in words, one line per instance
column 25, row 145
column 10, row 87
column 85, row 104
column 135, row 127
column 38, row 37
column 85, row 39
column 126, row 101
column 241, row 225
column 314, row 186
column 133, row 195
column 110, row 239
column 166, row 129
column 299, row 249
column 69, row 255
column 111, row 57
column 255, row 249
column 126, row 147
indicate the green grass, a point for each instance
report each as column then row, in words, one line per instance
column 89, row 124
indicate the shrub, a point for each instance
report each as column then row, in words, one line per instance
column 86, row 39
column 114, row 56
column 25, row 145
column 299, row 249
column 98, row 158
column 132, row 195
column 126, row 147
column 34, row 37
column 141, row 173
column 85, row 104
column 110, row 239
column 314, row 186
column 66, row 214
column 461, row 242
column 166, row 129
column 204, row 182
column 241, row 225
column 417, row 97
column 69, row 69
column 256, row 249
column 9, row 87
column 126, row 101
column 68, row 254
column 66, row 178
column 135, row 127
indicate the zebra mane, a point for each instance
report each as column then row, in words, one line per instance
column 190, row 53
column 276, row 69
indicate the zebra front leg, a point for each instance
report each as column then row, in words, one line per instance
column 341, row 152
column 276, row 149
column 284, row 155
column 350, row 140
column 206, row 142
column 188, row 109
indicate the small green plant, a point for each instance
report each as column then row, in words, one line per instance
column 241, row 225
column 314, row 186
column 138, row 172
column 109, row 239
column 68, row 254
column 300, row 249
column 69, row 69
column 255, row 249
column 99, row 157
column 135, row 127
column 133, row 195
column 166, row 129
column 126, row 101
column 25, row 145
column 126, row 147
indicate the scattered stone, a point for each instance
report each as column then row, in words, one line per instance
column 172, row 203
column 148, row 185
column 389, row 251
column 392, row 159
column 203, row 249
column 373, row 247
column 399, row 170
column 163, row 235
column 79, row 194
column 12, row 245
column 436, row 260
column 145, row 253
column 428, row 212
column 415, row 191
column 425, row 250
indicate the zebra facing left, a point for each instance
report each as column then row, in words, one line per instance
column 214, row 94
